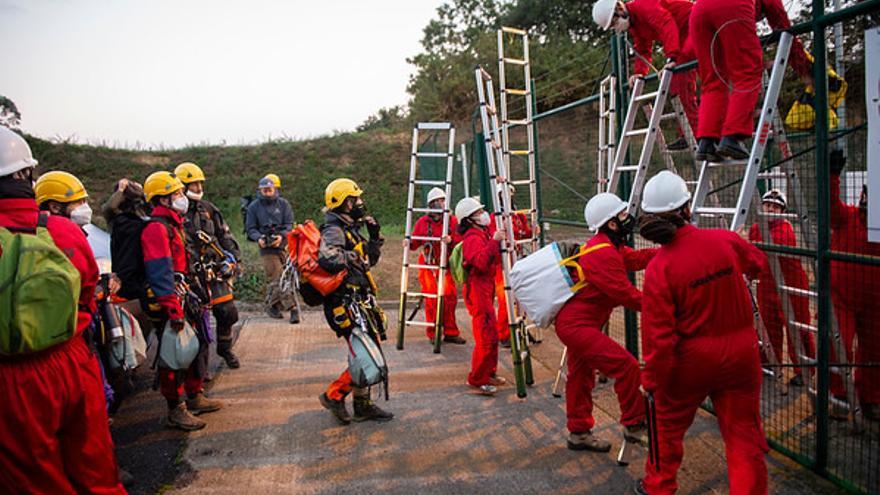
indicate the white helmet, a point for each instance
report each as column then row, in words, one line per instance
column 15, row 154
column 435, row 194
column 776, row 197
column 665, row 192
column 603, row 12
column 466, row 207
column 601, row 208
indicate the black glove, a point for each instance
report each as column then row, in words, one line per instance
column 836, row 162
column 373, row 228
column 834, row 83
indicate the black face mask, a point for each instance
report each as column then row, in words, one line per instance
column 627, row 225
column 357, row 212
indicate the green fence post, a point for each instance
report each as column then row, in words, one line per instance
column 539, row 204
column 823, row 278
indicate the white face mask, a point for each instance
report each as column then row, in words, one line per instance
column 622, row 24
column 180, row 205
column 195, row 196
column 81, row 215
column 483, row 220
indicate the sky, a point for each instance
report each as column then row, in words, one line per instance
column 154, row 73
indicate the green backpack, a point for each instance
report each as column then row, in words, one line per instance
column 456, row 265
column 39, row 292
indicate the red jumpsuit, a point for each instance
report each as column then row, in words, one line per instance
column 768, row 297
column 665, row 21
column 854, row 291
column 428, row 227
column 699, row 339
column 480, row 257
column 579, row 327
column 54, row 429
column 522, row 229
column 730, row 58
column 164, row 255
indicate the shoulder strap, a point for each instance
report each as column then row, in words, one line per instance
column 571, row 262
column 43, row 219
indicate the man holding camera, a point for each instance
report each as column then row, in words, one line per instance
column 269, row 220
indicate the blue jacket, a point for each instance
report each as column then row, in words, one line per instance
column 268, row 217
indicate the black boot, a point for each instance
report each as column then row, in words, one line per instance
column 274, row 312
column 732, row 148
column 679, row 144
column 365, row 409
column 230, row 358
column 294, row 317
column 337, row 407
column 706, row 151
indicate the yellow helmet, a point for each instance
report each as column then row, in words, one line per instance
column 274, row 178
column 59, row 186
column 189, row 172
column 161, row 184
column 340, row 189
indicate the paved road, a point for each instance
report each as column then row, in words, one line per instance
column 274, row 437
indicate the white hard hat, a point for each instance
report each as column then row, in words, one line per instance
column 15, row 154
column 466, row 207
column 776, row 197
column 603, row 12
column 665, row 192
column 601, row 208
column 435, row 194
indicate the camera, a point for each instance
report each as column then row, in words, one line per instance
column 109, row 316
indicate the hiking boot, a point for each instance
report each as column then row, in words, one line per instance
column 487, row 389
column 679, row 144
column 294, row 317
column 706, row 151
column 182, row 419
column 337, row 407
column 365, row 410
column 636, row 433
column 454, row 339
column 586, row 441
column 125, row 477
column 230, row 358
column 505, row 343
column 201, row 404
column 796, row 381
column 497, row 381
column 274, row 312
column 639, row 488
column 732, row 148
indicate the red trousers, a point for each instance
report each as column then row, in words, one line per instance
column 589, row 350
column 173, row 383
column 774, row 319
column 730, row 60
column 502, row 322
column 428, row 281
column 684, row 85
column 857, row 317
column 54, row 431
column 727, row 369
column 484, row 361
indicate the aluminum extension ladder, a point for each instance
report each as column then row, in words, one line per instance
column 519, row 345
column 440, row 265
column 607, row 131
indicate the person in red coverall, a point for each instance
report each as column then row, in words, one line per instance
column 793, row 274
column 699, row 339
column 522, row 229
column 730, row 59
column 165, row 264
column 665, row 21
column 854, row 290
column 431, row 225
column 54, row 431
column 481, row 254
column 579, row 325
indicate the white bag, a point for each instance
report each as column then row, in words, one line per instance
column 541, row 282
column 178, row 349
column 130, row 350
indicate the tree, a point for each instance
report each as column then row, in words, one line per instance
column 393, row 118
column 9, row 114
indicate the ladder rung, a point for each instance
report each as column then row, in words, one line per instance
column 525, row 212
column 424, row 267
column 772, row 175
column 511, row 30
column 798, row 292
column 524, row 241
column 627, row 168
column 489, row 108
column 668, row 116
column 518, row 92
column 523, row 182
column 421, row 294
column 431, row 154
column 419, row 324
column 637, row 132
column 647, row 96
column 422, row 182
column 728, row 163
column 428, row 210
column 518, row 122
column 778, row 215
column 802, row 326
column 692, row 182
column 434, row 126
column 705, row 210
column 425, row 239
column 514, row 61
column 520, row 152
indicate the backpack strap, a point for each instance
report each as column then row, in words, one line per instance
column 571, row 262
column 43, row 219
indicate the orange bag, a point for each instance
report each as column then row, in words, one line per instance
column 303, row 243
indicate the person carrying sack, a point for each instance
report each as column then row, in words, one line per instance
column 53, row 420
column 605, row 263
column 344, row 248
column 165, row 262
